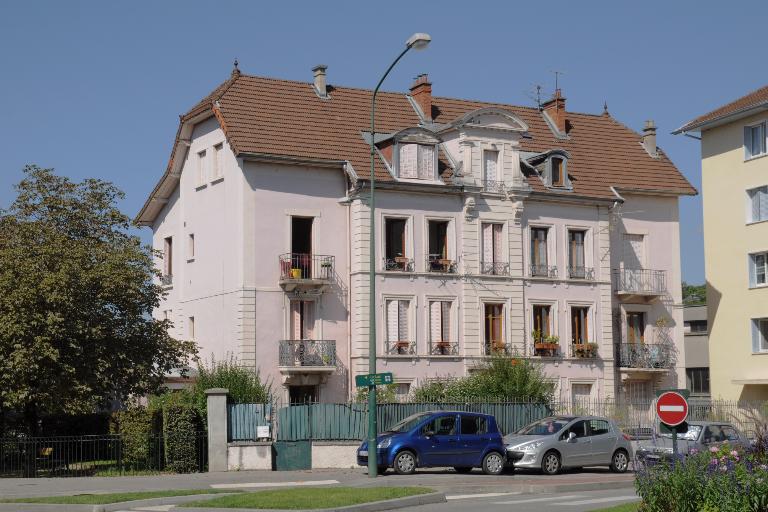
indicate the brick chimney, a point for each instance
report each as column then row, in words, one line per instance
column 320, row 85
column 555, row 109
column 649, row 138
column 421, row 92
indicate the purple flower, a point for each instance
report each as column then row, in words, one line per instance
column 734, row 453
column 713, row 449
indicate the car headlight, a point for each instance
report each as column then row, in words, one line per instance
column 529, row 447
column 384, row 443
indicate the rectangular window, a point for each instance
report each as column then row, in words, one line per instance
column 394, row 241
column 302, row 319
column 576, row 267
column 168, row 256
column 191, row 327
column 697, row 380
column 402, row 390
column 494, row 327
column 754, row 140
column 758, row 269
column 490, row 165
column 635, row 327
column 697, row 326
column 580, row 324
column 539, row 265
column 398, row 332
column 633, row 256
column 417, row 161
column 202, row 162
column 218, row 155
column 440, row 326
column 558, row 168
column 542, row 325
column 580, row 394
column 758, row 204
column 492, row 262
column 438, row 239
column 191, row 246
column 760, row 335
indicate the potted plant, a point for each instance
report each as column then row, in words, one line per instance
column 585, row 350
column 545, row 344
column 295, row 273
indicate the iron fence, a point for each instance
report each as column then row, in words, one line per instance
column 297, row 266
column 440, row 265
column 586, row 273
column 645, row 355
column 639, row 280
column 106, row 455
column 494, row 268
column 401, row 347
column 494, row 186
column 398, row 264
column 316, row 353
column 549, row 271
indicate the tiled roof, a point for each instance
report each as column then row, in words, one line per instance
column 286, row 118
column 753, row 99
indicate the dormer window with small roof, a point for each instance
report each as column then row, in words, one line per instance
column 557, row 171
column 416, row 161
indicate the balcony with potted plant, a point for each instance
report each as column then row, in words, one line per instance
column 545, row 345
column 584, row 350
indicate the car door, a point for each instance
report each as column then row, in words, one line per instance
column 713, row 436
column 441, row 441
column 474, row 439
column 578, row 451
column 602, row 439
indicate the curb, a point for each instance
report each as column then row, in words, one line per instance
column 594, row 486
column 107, row 507
column 374, row 506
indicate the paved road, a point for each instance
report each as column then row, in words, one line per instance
column 559, row 502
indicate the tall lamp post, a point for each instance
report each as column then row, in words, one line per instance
column 417, row 41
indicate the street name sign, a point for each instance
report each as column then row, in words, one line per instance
column 672, row 408
column 373, row 379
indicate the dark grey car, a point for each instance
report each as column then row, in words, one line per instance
column 701, row 436
column 569, row 441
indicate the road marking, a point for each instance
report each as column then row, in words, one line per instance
column 535, row 500
column 597, row 500
column 671, row 408
column 273, row 484
column 486, row 495
column 158, row 508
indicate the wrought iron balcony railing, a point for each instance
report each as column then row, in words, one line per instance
column 440, row 265
column 645, row 355
column 543, row 271
column 497, row 349
column 586, row 273
column 308, row 353
column 586, row 350
column 398, row 264
column 401, row 348
column 640, row 280
column 443, row 348
column 493, row 186
column 494, row 268
column 166, row 279
column 298, row 266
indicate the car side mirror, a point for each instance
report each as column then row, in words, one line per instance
column 572, row 437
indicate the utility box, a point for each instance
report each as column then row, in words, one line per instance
column 292, row 455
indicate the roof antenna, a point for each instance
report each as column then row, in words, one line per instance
column 538, row 96
column 605, row 108
column 557, row 81
column 236, row 70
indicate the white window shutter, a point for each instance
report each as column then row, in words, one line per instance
column 309, row 320
column 426, row 155
column 435, row 321
column 762, row 195
column 445, row 320
column 762, row 334
column 402, row 320
column 752, row 273
column 392, row 320
column 579, row 248
column 497, row 245
column 296, row 319
column 408, row 161
column 747, row 142
column 755, row 335
column 487, row 243
column 490, row 162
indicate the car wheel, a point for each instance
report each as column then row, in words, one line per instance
column 405, row 463
column 550, row 463
column 462, row 469
column 619, row 461
column 493, row 463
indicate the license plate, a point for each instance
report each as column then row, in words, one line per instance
column 363, row 453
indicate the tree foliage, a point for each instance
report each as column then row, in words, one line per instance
column 500, row 378
column 76, row 297
column 694, row 294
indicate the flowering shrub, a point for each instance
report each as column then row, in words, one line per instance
column 722, row 479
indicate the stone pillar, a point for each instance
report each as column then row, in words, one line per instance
column 217, row 429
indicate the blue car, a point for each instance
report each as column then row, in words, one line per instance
column 464, row 440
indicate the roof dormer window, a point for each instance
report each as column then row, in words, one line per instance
column 558, row 173
column 417, row 161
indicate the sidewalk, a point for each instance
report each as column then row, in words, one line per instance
column 438, row 479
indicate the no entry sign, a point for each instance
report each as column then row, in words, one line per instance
column 672, row 408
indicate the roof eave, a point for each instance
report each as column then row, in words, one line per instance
column 723, row 119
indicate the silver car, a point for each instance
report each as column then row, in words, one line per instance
column 701, row 436
column 558, row 442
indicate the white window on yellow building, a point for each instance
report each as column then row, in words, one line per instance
column 758, row 269
column 758, row 204
column 754, row 140
column 759, row 335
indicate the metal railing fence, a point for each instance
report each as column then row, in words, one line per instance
column 639, row 280
column 316, row 353
column 298, row 266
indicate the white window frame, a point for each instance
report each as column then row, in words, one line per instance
column 396, row 160
column 317, row 324
column 190, row 247
column 382, row 237
column 751, row 209
column 451, row 235
column 554, row 318
column 759, row 346
column 564, row 178
column 168, row 258
column 551, row 246
column 505, row 334
column 748, row 150
column 591, row 315
column 454, row 320
column 588, row 249
column 218, row 162
column 412, row 324
column 504, row 241
column 499, row 168
column 191, row 327
column 202, row 167
column 753, row 269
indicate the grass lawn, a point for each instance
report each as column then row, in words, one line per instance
column 310, row 497
column 627, row 507
column 101, row 499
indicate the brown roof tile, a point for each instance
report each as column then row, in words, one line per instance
column 753, row 99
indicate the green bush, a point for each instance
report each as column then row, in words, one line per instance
column 500, row 378
column 384, row 394
column 244, row 384
column 180, row 426
column 135, row 426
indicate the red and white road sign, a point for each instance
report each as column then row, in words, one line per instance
column 672, row 408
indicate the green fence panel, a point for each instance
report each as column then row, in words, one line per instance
column 292, row 455
column 243, row 420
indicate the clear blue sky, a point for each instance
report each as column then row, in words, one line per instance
column 95, row 88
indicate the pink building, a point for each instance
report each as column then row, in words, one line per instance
column 536, row 231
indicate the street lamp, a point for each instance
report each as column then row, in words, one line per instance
column 417, row 41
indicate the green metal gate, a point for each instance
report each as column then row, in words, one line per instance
column 292, row 455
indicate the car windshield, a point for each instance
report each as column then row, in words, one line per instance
column 691, row 435
column 545, row 427
column 408, row 423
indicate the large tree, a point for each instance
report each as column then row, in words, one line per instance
column 76, row 297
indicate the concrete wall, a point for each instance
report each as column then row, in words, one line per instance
column 334, row 454
column 249, row 456
column 736, row 373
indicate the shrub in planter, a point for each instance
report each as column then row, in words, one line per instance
column 181, row 424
